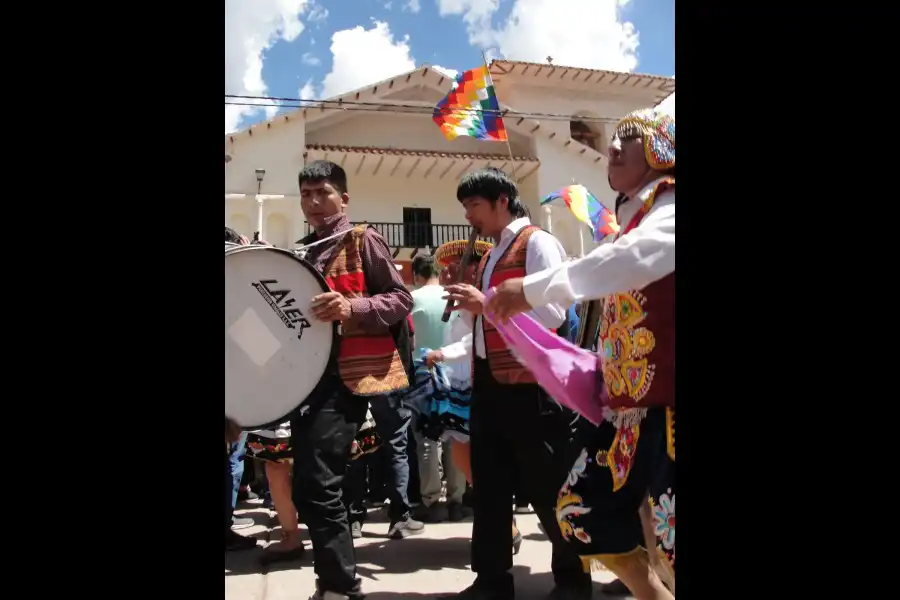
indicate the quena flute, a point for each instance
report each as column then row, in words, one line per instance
column 463, row 264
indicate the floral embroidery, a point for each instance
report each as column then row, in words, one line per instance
column 570, row 505
column 621, row 455
column 664, row 518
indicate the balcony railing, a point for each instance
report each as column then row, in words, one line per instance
column 417, row 235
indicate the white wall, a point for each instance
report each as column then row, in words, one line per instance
column 408, row 131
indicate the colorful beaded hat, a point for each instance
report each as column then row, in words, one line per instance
column 657, row 129
column 453, row 251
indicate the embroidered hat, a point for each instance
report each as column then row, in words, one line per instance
column 453, row 251
column 657, row 130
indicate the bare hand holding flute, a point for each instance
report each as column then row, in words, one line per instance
column 462, row 296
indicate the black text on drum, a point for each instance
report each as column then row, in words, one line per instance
column 282, row 303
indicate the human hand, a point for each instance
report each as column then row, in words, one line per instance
column 508, row 300
column 331, row 306
column 467, row 297
column 434, row 357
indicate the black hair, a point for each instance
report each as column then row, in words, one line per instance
column 490, row 183
column 423, row 266
column 232, row 236
column 323, row 170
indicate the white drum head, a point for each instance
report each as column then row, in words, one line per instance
column 275, row 351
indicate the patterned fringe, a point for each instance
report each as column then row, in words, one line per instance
column 627, row 417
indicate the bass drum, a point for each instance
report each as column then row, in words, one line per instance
column 275, row 352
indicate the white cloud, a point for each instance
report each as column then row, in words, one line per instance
column 317, row 14
column 309, row 59
column 540, row 28
column 451, row 73
column 668, row 105
column 362, row 56
column 308, row 91
column 251, row 28
column 413, row 6
column 387, row 5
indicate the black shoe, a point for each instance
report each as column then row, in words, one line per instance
column 478, row 592
column 244, row 495
column 235, row 541
column 436, row 513
column 615, row 588
column 273, row 556
column 405, row 528
column 356, row 530
column 458, row 512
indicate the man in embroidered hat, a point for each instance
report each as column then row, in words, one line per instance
column 514, row 427
column 632, row 453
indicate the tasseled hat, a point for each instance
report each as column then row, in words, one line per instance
column 657, row 130
column 452, row 251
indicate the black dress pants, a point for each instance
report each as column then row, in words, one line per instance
column 321, row 439
column 517, row 429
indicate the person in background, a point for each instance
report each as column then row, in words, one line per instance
column 234, row 445
column 371, row 303
column 434, row 456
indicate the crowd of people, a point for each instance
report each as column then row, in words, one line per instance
column 442, row 421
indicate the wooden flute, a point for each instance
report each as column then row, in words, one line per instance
column 463, row 264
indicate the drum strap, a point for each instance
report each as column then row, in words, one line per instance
column 302, row 250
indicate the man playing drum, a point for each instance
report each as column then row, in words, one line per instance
column 371, row 303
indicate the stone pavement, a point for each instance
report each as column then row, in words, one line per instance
column 421, row 567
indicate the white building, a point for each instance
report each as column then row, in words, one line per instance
column 403, row 173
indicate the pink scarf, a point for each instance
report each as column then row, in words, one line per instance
column 571, row 375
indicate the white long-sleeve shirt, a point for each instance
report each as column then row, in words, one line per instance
column 635, row 260
column 543, row 252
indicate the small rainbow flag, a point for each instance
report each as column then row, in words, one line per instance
column 587, row 209
column 471, row 108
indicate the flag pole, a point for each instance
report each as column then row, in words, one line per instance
column 508, row 147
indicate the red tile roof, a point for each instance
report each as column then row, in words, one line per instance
column 422, row 153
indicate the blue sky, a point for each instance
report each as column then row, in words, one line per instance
column 318, row 48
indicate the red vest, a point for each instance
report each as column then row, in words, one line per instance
column 505, row 368
column 637, row 336
column 368, row 360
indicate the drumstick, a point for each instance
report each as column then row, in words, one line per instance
column 463, row 265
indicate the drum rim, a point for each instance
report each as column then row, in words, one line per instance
column 335, row 325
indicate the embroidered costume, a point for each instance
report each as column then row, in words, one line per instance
column 632, row 452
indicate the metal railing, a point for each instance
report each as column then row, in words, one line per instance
column 416, row 235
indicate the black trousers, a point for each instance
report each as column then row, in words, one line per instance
column 355, row 488
column 321, row 440
column 517, row 429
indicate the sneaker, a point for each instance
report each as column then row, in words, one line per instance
column 405, row 528
column 242, row 523
column 458, row 512
column 235, row 541
column 356, row 530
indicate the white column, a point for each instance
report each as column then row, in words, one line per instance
column 581, row 229
column 547, row 218
column 259, row 216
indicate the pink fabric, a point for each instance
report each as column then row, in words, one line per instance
column 571, row 375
